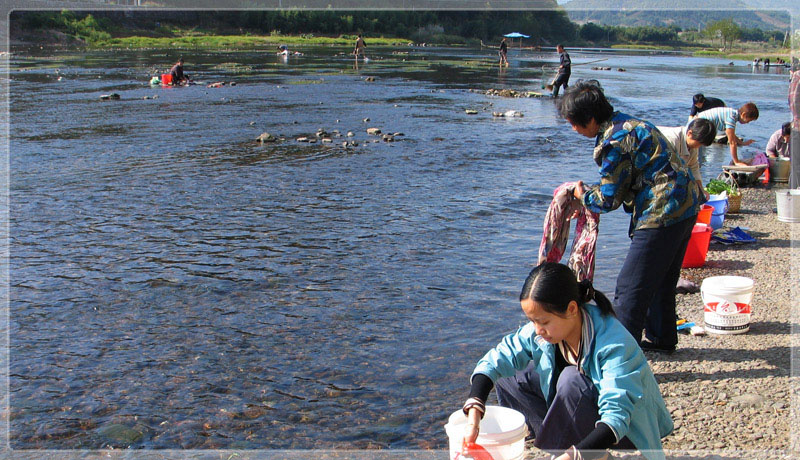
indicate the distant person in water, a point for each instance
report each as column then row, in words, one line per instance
column 564, row 70
column 503, row 52
column 361, row 46
column 178, row 77
column 701, row 103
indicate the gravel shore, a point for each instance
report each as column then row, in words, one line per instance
column 735, row 396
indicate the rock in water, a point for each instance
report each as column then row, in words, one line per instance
column 120, row 434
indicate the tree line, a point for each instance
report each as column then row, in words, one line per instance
column 453, row 27
column 725, row 30
column 441, row 27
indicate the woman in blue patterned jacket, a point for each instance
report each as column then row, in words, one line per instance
column 642, row 172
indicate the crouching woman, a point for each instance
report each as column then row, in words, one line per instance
column 574, row 371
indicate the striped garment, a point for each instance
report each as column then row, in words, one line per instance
column 723, row 117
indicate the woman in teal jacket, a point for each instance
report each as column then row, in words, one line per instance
column 574, row 371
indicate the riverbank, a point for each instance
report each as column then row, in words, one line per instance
column 730, row 395
column 206, row 42
column 239, row 41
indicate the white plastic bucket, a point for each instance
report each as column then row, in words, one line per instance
column 502, row 434
column 788, row 202
column 726, row 304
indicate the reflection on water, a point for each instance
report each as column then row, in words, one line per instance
column 175, row 284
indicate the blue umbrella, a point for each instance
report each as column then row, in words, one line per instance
column 514, row 35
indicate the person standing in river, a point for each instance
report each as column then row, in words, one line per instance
column 503, row 52
column 361, row 46
column 564, row 70
column 640, row 171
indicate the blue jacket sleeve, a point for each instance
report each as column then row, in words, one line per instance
column 512, row 354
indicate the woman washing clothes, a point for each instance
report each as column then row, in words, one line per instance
column 642, row 172
column 575, row 373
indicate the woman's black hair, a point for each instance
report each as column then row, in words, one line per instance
column 786, row 128
column 703, row 131
column 553, row 286
column 585, row 101
column 698, row 98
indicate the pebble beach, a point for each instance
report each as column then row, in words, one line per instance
column 737, row 396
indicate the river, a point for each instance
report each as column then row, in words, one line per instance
column 175, row 284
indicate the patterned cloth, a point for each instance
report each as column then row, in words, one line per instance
column 556, row 233
column 640, row 169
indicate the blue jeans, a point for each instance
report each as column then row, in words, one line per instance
column 645, row 293
column 570, row 417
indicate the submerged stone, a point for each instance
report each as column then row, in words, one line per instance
column 120, row 434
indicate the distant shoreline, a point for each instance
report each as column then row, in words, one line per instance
column 273, row 41
column 205, row 41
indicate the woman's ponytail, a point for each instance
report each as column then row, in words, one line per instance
column 588, row 294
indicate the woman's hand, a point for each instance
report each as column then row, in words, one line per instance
column 473, row 425
column 577, row 192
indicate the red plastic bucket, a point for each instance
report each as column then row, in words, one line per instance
column 704, row 216
column 698, row 247
column 166, row 78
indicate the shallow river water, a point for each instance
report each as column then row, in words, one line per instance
column 174, row 284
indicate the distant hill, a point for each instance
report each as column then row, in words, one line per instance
column 683, row 13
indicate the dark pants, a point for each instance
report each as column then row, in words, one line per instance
column 645, row 293
column 570, row 417
column 561, row 79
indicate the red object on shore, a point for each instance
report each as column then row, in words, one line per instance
column 697, row 249
column 474, row 451
column 166, row 78
column 704, row 216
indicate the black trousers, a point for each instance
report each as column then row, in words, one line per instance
column 571, row 416
column 645, row 292
column 561, row 80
